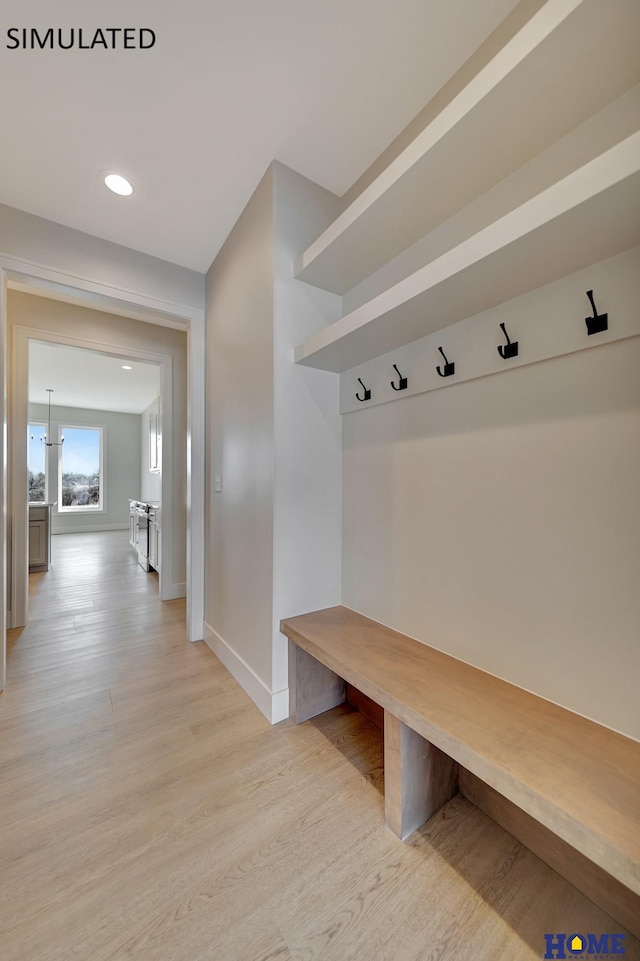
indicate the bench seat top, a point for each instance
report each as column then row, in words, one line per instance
column 578, row 778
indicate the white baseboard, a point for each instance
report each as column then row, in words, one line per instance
column 280, row 706
column 275, row 707
column 174, row 591
column 10, row 622
column 93, row 529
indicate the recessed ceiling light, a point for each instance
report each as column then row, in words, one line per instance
column 119, row 185
column 126, row 367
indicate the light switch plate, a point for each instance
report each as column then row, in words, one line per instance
column 217, row 483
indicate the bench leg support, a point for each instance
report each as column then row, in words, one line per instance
column 418, row 778
column 313, row 688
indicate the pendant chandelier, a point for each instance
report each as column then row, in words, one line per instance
column 47, row 436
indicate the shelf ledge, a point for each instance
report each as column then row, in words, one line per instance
column 401, row 205
column 406, row 310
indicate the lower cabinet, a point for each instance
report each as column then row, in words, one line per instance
column 154, row 544
column 39, row 538
column 148, row 521
column 133, row 530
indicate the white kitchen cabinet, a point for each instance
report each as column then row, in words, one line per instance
column 154, row 540
column 133, row 526
column 154, row 443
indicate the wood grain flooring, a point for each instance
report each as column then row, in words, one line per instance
column 148, row 811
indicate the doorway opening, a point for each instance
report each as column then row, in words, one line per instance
column 94, row 448
column 109, row 297
column 107, row 390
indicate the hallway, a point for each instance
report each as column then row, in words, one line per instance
column 148, row 810
column 92, row 617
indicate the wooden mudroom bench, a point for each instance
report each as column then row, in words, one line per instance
column 565, row 786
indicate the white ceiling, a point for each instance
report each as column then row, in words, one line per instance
column 322, row 85
column 89, row 379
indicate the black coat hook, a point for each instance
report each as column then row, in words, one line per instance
column 367, row 393
column 509, row 349
column 597, row 323
column 403, row 381
column 449, row 368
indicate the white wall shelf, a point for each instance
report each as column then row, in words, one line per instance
column 587, row 216
column 545, row 81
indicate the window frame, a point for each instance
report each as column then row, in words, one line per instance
column 99, row 508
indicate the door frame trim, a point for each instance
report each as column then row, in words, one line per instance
column 20, row 274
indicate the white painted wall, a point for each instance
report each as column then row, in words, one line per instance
column 239, row 447
column 307, row 425
column 108, row 330
column 121, row 466
column 499, row 519
column 150, row 483
column 273, row 436
column 83, row 256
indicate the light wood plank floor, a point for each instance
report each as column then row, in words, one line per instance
column 149, row 811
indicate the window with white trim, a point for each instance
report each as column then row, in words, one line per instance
column 81, row 482
column 37, row 463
